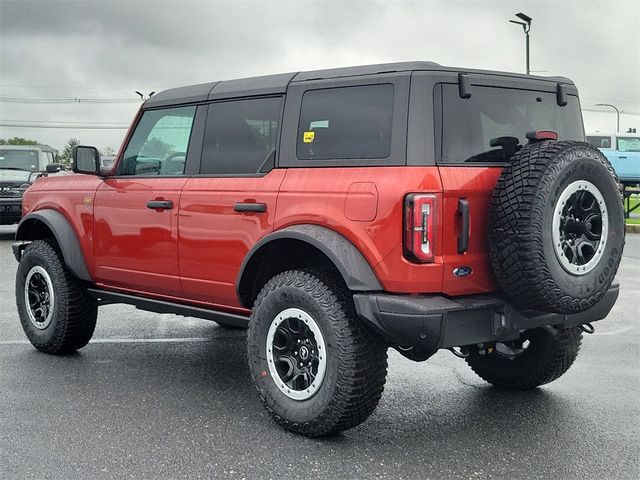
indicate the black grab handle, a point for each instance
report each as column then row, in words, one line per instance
column 463, row 238
column 160, row 204
column 250, row 207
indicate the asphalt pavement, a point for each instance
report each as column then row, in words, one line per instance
column 161, row 396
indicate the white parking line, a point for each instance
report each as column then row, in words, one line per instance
column 125, row 340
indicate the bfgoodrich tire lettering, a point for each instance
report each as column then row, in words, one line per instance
column 72, row 311
column 356, row 358
column 523, row 254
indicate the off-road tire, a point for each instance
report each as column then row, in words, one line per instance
column 521, row 245
column 74, row 311
column 356, row 356
column 549, row 355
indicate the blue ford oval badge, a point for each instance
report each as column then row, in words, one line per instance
column 463, row 271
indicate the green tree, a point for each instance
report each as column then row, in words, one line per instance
column 18, row 141
column 156, row 148
column 65, row 156
column 107, row 151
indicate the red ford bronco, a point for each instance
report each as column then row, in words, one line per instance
column 336, row 213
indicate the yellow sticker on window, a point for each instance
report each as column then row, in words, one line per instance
column 308, row 137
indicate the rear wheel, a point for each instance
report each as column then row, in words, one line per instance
column 539, row 356
column 57, row 314
column 318, row 369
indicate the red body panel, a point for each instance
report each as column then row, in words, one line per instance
column 137, row 247
column 72, row 196
column 330, row 197
column 193, row 251
column 475, row 184
column 214, row 239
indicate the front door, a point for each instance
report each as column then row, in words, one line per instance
column 136, row 211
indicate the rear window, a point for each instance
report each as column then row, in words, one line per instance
column 470, row 125
column 599, row 141
column 346, row 123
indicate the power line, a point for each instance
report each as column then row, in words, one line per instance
column 80, row 87
column 86, row 126
column 67, row 100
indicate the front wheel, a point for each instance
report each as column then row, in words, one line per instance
column 539, row 356
column 318, row 369
column 57, row 314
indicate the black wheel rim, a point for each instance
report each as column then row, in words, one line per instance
column 580, row 227
column 39, row 297
column 296, row 354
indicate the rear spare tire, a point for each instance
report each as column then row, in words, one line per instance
column 556, row 227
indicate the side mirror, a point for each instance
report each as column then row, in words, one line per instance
column 52, row 168
column 85, row 160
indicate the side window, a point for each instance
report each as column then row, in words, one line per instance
column 488, row 126
column 159, row 143
column 241, row 136
column 629, row 144
column 346, row 123
column 599, row 141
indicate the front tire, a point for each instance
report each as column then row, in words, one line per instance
column 57, row 314
column 317, row 368
column 540, row 356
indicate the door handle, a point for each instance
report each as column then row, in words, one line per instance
column 160, row 204
column 622, row 158
column 463, row 238
column 250, row 207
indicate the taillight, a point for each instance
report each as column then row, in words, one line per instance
column 419, row 227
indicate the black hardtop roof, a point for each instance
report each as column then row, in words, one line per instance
column 276, row 84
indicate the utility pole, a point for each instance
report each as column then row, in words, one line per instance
column 526, row 26
column 617, row 113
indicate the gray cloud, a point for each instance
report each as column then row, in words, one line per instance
column 99, row 47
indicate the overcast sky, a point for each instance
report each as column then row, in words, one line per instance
column 109, row 49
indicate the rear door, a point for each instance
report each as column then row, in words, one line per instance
column 136, row 211
column 466, row 129
column 231, row 203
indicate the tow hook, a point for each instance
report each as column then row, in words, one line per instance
column 588, row 328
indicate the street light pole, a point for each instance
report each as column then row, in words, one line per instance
column 617, row 113
column 526, row 26
column 527, row 41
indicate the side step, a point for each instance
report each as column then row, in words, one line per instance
column 105, row 297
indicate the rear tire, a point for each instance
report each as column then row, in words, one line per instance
column 300, row 313
column 57, row 314
column 548, row 356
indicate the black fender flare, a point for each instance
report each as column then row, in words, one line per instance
column 352, row 265
column 65, row 237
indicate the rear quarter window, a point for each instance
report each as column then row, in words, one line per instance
column 469, row 125
column 346, row 123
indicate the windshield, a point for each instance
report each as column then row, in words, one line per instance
column 629, row 144
column 20, row 159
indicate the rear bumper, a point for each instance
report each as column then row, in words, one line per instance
column 434, row 321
